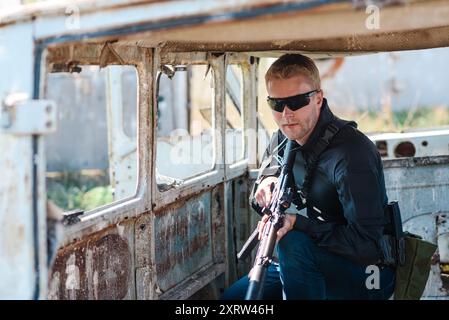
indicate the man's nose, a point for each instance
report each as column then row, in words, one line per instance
column 287, row 111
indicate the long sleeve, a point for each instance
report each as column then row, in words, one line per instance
column 361, row 190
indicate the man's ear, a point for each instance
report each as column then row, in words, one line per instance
column 320, row 96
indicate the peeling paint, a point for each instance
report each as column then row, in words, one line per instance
column 120, row 229
column 98, row 267
column 73, row 274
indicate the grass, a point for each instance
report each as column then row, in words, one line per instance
column 400, row 121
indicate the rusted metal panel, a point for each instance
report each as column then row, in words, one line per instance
column 98, row 267
column 218, row 224
column 182, row 237
column 274, row 25
column 180, row 249
column 230, row 222
column 242, row 212
column 317, row 30
column 416, row 162
column 63, row 57
column 253, row 217
column 443, row 251
column 144, row 234
column 197, row 281
column 144, row 255
column 323, row 48
column 249, row 70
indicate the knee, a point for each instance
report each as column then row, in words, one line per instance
column 294, row 240
column 237, row 290
column 296, row 244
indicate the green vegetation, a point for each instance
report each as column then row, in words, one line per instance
column 399, row 121
column 71, row 191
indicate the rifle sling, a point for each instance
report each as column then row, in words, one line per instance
column 322, row 143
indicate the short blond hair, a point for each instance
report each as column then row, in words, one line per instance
column 291, row 65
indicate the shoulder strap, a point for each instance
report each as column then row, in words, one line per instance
column 322, row 143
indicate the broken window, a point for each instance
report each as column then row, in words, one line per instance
column 92, row 159
column 185, row 144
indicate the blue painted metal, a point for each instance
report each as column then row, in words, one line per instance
column 182, row 240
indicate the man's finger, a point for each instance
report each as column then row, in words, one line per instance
column 261, row 225
column 259, row 228
column 260, row 198
column 267, row 196
column 281, row 232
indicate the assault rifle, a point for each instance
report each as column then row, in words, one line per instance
column 282, row 195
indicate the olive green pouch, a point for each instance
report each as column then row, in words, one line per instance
column 411, row 278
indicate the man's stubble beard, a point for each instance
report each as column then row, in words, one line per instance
column 299, row 133
column 302, row 130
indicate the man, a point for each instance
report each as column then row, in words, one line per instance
column 334, row 252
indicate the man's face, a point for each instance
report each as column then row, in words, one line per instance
column 296, row 125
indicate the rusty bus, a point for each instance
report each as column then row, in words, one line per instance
column 171, row 230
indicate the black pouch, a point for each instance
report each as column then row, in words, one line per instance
column 392, row 243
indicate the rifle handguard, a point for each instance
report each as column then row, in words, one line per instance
column 249, row 245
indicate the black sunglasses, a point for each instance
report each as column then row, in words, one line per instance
column 294, row 102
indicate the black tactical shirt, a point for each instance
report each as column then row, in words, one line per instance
column 346, row 201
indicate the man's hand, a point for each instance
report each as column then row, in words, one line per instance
column 289, row 222
column 263, row 192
